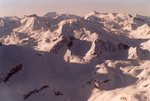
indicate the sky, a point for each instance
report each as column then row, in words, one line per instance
column 79, row 7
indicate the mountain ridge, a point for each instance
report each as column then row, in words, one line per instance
column 65, row 57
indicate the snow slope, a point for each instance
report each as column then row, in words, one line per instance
column 64, row 57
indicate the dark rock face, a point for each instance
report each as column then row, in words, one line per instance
column 123, row 46
column 1, row 44
column 13, row 71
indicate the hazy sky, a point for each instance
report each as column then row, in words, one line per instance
column 80, row 7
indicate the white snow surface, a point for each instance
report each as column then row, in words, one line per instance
column 64, row 57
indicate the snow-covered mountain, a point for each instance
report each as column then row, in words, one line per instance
column 64, row 57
